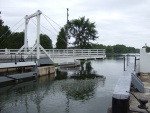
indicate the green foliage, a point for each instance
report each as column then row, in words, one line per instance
column 116, row 48
column 4, row 33
column 109, row 49
column 83, row 31
column 14, row 41
column 61, row 40
column 45, row 41
column 120, row 49
column 147, row 49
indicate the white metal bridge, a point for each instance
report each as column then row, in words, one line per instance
column 54, row 55
column 57, row 55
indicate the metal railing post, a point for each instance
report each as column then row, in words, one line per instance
column 127, row 59
column 11, row 57
column 135, row 64
column 31, row 56
column 124, row 62
column 15, row 59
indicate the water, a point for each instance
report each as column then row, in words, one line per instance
column 72, row 92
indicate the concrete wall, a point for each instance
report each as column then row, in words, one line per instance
column 144, row 61
column 46, row 70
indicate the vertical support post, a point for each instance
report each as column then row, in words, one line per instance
column 31, row 56
column 15, row 59
column 11, row 57
column 127, row 59
column 73, row 52
column 38, row 35
column 135, row 64
column 124, row 62
column 25, row 34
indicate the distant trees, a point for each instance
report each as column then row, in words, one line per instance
column 4, row 32
column 116, row 48
column 83, row 31
column 13, row 41
column 61, row 40
column 45, row 41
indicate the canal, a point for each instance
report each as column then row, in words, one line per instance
column 87, row 89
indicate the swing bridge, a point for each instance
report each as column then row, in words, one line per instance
column 48, row 56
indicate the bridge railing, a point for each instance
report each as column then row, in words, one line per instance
column 61, row 52
column 75, row 52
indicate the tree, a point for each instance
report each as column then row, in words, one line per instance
column 109, row 49
column 61, row 40
column 15, row 41
column 4, row 33
column 83, row 31
column 45, row 41
column 120, row 48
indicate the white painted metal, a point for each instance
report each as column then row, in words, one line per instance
column 38, row 36
column 64, row 55
column 37, row 47
column 25, row 34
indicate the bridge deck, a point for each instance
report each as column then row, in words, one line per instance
column 58, row 55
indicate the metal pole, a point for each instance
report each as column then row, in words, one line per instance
column 67, row 28
column 25, row 34
column 124, row 63
column 11, row 57
column 31, row 56
column 38, row 34
column 135, row 64
column 127, row 59
column 15, row 59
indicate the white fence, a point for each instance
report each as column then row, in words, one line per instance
column 57, row 55
column 61, row 52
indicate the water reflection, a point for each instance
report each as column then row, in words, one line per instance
column 55, row 93
column 86, row 72
column 82, row 88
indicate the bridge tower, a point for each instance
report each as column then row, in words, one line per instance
column 37, row 46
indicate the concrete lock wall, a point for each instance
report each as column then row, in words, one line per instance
column 46, row 70
column 144, row 61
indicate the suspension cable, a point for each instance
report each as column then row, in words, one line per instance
column 52, row 20
column 54, row 28
column 12, row 27
column 45, row 28
column 33, row 21
column 11, row 33
column 50, row 24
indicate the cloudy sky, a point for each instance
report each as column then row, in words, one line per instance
column 117, row 21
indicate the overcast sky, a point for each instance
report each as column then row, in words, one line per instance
column 117, row 21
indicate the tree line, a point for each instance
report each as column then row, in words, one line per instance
column 119, row 48
column 81, row 30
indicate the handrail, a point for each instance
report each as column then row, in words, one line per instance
column 61, row 52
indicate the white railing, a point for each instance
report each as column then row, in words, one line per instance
column 62, row 52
